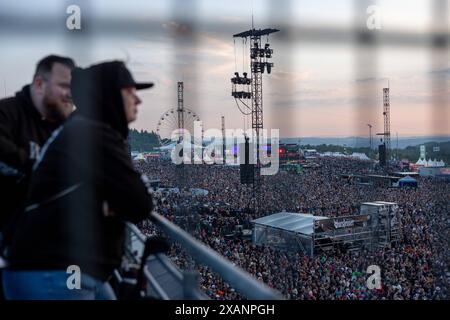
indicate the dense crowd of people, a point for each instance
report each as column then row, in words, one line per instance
column 415, row 268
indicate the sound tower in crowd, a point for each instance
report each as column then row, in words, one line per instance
column 247, row 169
column 224, row 141
column 382, row 154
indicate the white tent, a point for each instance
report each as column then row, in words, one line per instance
column 333, row 154
column 421, row 162
column 435, row 163
column 168, row 147
column 139, row 156
column 360, row 156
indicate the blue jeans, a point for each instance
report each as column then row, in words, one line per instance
column 52, row 285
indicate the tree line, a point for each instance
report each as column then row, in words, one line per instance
column 142, row 141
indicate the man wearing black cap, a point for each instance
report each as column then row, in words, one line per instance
column 83, row 189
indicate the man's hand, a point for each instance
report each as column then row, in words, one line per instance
column 34, row 150
column 107, row 212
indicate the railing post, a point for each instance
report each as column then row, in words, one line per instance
column 190, row 283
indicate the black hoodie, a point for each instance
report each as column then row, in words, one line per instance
column 84, row 164
column 20, row 124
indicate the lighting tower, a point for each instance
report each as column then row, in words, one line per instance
column 259, row 55
column 387, row 124
column 387, row 121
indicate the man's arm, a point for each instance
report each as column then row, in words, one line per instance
column 10, row 153
column 125, row 192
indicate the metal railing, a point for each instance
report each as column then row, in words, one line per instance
column 240, row 280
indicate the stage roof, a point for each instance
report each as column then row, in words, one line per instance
column 296, row 222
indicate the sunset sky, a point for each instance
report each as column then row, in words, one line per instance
column 313, row 90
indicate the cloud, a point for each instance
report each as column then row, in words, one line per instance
column 280, row 75
column 179, row 29
column 441, row 72
column 311, row 97
column 370, row 80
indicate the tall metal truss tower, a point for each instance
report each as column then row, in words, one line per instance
column 387, row 125
column 387, row 122
column 180, row 169
column 180, row 108
column 259, row 55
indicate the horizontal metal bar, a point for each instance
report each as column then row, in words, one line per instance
column 234, row 275
column 271, row 294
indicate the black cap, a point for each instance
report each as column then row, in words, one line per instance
column 126, row 80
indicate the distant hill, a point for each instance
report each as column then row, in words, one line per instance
column 360, row 142
column 411, row 153
column 142, row 141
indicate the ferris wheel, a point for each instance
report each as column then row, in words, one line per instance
column 168, row 124
column 175, row 121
